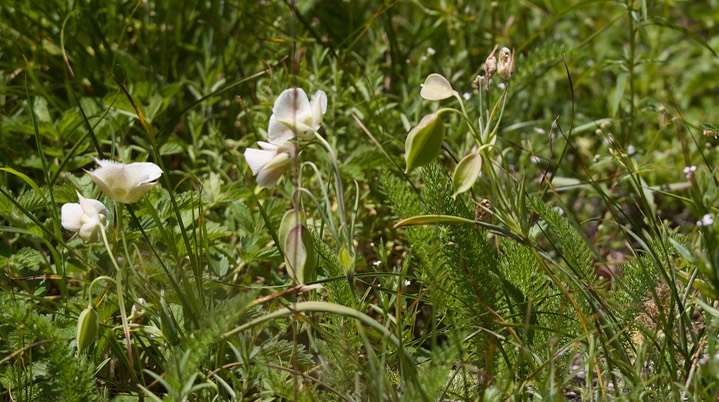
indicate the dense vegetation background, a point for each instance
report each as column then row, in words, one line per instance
column 583, row 263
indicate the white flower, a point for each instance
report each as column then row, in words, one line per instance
column 467, row 96
column 689, row 171
column 87, row 218
column 269, row 162
column 707, row 220
column 125, row 183
column 431, row 51
column 294, row 115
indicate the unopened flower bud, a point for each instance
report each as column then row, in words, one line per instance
column 87, row 327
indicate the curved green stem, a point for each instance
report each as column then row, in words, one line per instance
column 325, row 307
column 120, row 301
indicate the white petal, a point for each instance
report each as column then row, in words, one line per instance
column 268, row 146
column 141, row 173
column 272, row 171
column 92, row 208
column 292, row 104
column 277, row 132
column 258, row 158
column 71, row 214
column 436, row 87
column 319, row 107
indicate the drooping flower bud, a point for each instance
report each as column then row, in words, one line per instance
column 87, row 326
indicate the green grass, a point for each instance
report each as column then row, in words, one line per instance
column 574, row 267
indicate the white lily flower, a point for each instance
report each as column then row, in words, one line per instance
column 295, row 115
column 87, row 218
column 125, row 183
column 269, row 162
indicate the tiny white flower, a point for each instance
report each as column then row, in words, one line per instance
column 125, row 183
column 269, row 162
column 467, row 96
column 377, row 263
column 502, row 85
column 631, row 150
column 540, row 130
column 87, row 218
column 423, row 58
column 431, row 51
column 407, row 282
column 295, row 115
column 535, row 159
column 707, row 220
column 689, row 171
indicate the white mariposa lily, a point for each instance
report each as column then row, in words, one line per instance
column 269, row 162
column 294, row 115
column 125, row 183
column 88, row 218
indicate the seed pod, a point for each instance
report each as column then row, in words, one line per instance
column 466, row 173
column 300, row 254
column 87, row 326
column 424, row 142
column 505, row 65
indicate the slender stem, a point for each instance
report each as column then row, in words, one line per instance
column 121, row 302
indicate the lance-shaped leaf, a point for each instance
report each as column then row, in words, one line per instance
column 436, row 87
column 424, row 142
column 466, row 173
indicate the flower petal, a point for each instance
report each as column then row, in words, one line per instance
column 271, row 172
column 436, row 87
column 92, row 208
column 71, row 213
column 141, row 173
column 258, row 158
column 277, row 132
column 319, row 108
column 292, row 103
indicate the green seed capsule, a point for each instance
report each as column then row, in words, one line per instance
column 87, row 327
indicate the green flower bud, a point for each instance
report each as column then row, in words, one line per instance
column 466, row 173
column 87, row 327
column 424, row 142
